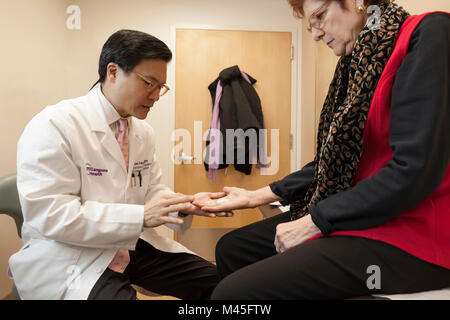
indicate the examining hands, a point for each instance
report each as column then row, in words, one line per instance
column 208, row 197
column 221, row 204
column 156, row 211
column 230, row 199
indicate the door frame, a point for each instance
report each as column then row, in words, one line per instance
column 296, row 107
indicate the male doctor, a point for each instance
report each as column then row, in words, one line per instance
column 88, row 183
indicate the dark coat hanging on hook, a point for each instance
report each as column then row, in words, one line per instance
column 239, row 108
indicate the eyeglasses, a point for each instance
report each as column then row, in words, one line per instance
column 152, row 85
column 317, row 18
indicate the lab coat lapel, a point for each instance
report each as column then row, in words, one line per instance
column 111, row 145
column 100, row 126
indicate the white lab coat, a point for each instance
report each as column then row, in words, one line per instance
column 79, row 202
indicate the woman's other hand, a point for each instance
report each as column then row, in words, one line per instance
column 295, row 232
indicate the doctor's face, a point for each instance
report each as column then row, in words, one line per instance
column 136, row 92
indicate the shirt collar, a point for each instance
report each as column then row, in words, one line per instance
column 111, row 114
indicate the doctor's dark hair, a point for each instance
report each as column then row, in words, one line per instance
column 128, row 48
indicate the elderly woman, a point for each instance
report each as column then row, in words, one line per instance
column 371, row 213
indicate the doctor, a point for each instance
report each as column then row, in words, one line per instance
column 89, row 186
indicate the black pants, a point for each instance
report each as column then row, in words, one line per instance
column 180, row 275
column 325, row 268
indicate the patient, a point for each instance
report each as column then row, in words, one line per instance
column 375, row 202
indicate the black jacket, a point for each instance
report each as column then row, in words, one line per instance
column 239, row 108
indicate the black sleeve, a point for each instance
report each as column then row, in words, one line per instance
column 295, row 185
column 419, row 137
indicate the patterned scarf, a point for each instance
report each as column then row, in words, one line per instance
column 343, row 117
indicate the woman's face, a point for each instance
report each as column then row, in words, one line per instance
column 337, row 27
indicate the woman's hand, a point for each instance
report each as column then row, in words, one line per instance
column 235, row 198
column 295, row 232
column 204, row 197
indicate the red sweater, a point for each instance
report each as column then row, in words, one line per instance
column 423, row 231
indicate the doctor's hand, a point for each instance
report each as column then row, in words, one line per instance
column 295, row 232
column 157, row 209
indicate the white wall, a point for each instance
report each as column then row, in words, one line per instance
column 33, row 46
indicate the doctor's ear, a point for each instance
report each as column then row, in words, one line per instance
column 112, row 70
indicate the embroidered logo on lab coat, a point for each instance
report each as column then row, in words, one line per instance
column 91, row 171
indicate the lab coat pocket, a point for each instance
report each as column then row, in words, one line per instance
column 44, row 269
column 139, row 183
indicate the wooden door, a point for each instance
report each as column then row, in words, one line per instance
column 200, row 56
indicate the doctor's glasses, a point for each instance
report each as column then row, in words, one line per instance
column 153, row 84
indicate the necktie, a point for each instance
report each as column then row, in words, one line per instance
column 122, row 138
column 122, row 257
